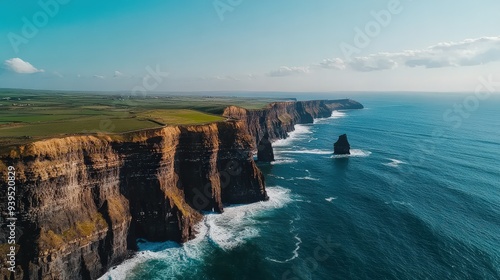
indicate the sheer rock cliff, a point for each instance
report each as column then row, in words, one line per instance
column 82, row 201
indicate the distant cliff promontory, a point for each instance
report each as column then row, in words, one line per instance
column 280, row 118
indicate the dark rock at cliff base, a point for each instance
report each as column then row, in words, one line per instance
column 265, row 150
column 342, row 147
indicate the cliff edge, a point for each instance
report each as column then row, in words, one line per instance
column 82, row 201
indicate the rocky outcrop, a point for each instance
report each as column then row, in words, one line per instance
column 280, row 118
column 265, row 151
column 342, row 147
column 84, row 200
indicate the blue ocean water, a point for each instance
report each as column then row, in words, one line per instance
column 419, row 198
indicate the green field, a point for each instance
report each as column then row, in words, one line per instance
column 28, row 115
column 179, row 117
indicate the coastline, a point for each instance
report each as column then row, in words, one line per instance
column 106, row 167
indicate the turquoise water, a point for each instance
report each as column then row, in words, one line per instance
column 419, row 198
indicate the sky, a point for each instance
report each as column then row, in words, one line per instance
column 249, row 45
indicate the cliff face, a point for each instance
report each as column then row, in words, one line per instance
column 84, row 200
column 280, row 118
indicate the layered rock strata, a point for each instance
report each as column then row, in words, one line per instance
column 82, row 201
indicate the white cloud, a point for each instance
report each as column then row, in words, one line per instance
column 287, row 71
column 227, row 77
column 58, row 74
column 366, row 64
column 118, row 74
column 220, row 78
column 468, row 52
column 99, row 77
column 20, row 66
column 335, row 63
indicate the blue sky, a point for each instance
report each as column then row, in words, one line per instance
column 273, row 45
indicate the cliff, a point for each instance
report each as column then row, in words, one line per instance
column 280, row 118
column 84, row 200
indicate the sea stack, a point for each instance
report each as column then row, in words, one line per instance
column 342, row 147
column 265, row 150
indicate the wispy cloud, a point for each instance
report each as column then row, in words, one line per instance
column 335, row 63
column 99, row 77
column 20, row 66
column 221, row 78
column 468, row 52
column 118, row 74
column 288, row 71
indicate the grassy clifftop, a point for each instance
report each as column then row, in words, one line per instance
column 33, row 115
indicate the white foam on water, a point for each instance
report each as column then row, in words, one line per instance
column 338, row 114
column 301, row 132
column 276, row 176
column 238, row 224
column 179, row 257
column 354, row 153
column 280, row 159
column 295, row 252
column 312, row 152
column 320, row 120
column 330, row 199
column 284, row 161
column 394, row 162
column 309, row 178
column 227, row 230
column 335, row 115
column 404, row 203
column 123, row 270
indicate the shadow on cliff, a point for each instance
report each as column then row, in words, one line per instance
column 152, row 217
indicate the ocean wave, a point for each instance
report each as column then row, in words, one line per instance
column 312, row 151
column 400, row 203
column 309, row 178
column 237, row 223
column 227, row 230
column 354, row 153
column 330, row 199
column 335, row 115
column 338, row 114
column 394, row 162
column 283, row 161
column 295, row 252
column 276, row 176
column 301, row 132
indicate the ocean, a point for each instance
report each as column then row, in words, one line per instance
column 418, row 198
